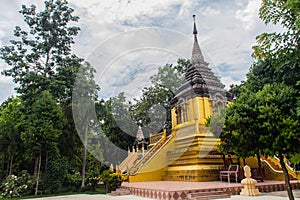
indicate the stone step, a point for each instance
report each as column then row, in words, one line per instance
column 208, row 195
column 119, row 192
column 223, row 196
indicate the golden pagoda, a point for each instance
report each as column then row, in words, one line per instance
column 189, row 152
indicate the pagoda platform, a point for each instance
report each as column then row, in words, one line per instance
column 176, row 190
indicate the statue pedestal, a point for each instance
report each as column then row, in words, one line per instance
column 249, row 184
column 249, row 187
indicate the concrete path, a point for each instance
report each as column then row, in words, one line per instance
column 93, row 197
column 281, row 195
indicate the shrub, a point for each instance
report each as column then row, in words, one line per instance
column 93, row 182
column 14, row 186
column 26, row 179
column 73, row 181
column 56, row 174
column 111, row 180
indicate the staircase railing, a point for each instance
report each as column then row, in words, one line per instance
column 149, row 155
column 274, row 164
column 129, row 161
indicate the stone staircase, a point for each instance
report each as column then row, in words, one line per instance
column 129, row 162
column 271, row 162
column 208, row 195
column 274, row 164
column 119, row 192
column 148, row 156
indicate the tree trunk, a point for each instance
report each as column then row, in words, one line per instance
column 36, row 165
column 7, row 167
column 244, row 161
column 84, row 160
column 259, row 170
column 10, row 164
column 38, row 173
column 46, row 160
column 2, row 172
column 287, row 178
column 224, row 160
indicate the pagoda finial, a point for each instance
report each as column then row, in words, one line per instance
column 196, row 54
column 195, row 28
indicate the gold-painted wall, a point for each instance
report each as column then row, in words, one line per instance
column 154, row 169
column 160, row 160
column 198, row 108
column 147, row 176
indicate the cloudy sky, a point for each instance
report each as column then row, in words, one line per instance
column 127, row 40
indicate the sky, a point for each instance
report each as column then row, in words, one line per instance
column 127, row 40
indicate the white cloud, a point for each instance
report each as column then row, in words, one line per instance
column 208, row 11
column 227, row 30
column 249, row 15
column 126, row 61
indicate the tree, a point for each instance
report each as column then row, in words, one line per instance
column 43, row 124
column 236, row 89
column 70, row 145
column 267, row 117
column 85, row 93
column 10, row 130
column 120, row 124
column 279, row 124
column 286, row 13
column 41, row 57
column 111, row 181
column 170, row 76
column 241, row 127
column 165, row 84
column 265, row 111
column 56, row 173
column 278, row 54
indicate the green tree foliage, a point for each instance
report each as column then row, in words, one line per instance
column 268, row 118
column 10, row 129
column 85, row 93
column 56, row 173
column 241, row 127
column 285, row 13
column 236, row 89
column 44, row 69
column 170, row 76
column 267, row 110
column 165, row 85
column 70, row 145
column 116, row 122
column 111, row 180
column 43, row 124
column 41, row 57
column 279, row 124
column 44, row 121
column 278, row 54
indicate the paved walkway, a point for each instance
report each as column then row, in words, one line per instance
column 281, row 195
column 93, row 197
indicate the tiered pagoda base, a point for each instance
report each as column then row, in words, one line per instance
column 194, row 157
column 175, row 190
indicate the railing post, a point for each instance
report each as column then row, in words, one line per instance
column 143, row 150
